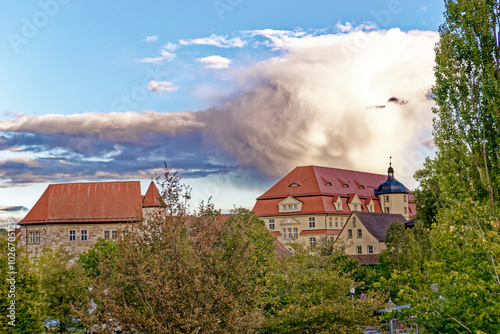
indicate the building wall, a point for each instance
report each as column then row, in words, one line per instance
column 366, row 239
column 58, row 236
column 397, row 203
column 301, row 223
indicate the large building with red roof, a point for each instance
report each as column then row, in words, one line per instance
column 312, row 202
column 73, row 216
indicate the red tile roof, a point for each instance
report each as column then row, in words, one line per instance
column 367, row 259
column 280, row 250
column 313, row 179
column 152, row 197
column 317, row 196
column 87, row 202
column 329, row 231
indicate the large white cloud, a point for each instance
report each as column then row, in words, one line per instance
column 345, row 100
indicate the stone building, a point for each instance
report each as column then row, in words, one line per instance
column 74, row 216
column 313, row 202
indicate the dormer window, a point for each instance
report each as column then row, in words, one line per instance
column 346, row 185
column 328, row 184
column 294, row 185
column 361, row 187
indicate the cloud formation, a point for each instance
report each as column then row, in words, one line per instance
column 215, row 62
column 215, row 40
column 161, row 86
column 151, row 39
column 308, row 106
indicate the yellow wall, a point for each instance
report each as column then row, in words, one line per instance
column 366, row 240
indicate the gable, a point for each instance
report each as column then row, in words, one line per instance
column 290, row 204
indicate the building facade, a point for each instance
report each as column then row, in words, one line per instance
column 74, row 216
column 313, row 202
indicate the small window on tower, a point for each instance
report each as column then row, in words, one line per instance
column 294, row 185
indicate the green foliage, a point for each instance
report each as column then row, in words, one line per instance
column 311, row 294
column 102, row 249
column 428, row 194
column 467, row 95
column 29, row 305
column 175, row 273
column 464, row 266
column 62, row 284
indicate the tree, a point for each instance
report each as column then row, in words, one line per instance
column 428, row 194
column 464, row 269
column 63, row 283
column 311, row 294
column 467, row 95
column 174, row 273
column 102, row 250
column 29, row 305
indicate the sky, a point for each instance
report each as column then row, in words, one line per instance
column 231, row 94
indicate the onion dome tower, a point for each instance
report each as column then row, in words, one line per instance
column 393, row 195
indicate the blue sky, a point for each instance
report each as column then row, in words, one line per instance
column 109, row 90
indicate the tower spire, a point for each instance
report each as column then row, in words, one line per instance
column 390, row 170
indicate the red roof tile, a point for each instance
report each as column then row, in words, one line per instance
column 366, row 259
column 307, row 232
column 152, row 197
column 312, row 182
column 317, row 196
column 87, row 202
column 280, row 250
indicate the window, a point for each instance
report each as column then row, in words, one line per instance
column 406, row 209
column 370, row 249
column 336, row 222
column 106, row 234
column 290, row 207
column 312, row 241
column 387, row 198
column 84, row 235
column 341, row 222
column 284, row 207
column 354, row 221
column 387, row 210
column 271, row 224
column 37, row 237
column 360, row 233
column 349, row 234
column 404, row 198
column 284, row 233
column 370, row 207
column 359, row 250
column 72, row 235
column 295, row 207
column 295, row 233
column 289, row 233
column 312, row 222
column 32, row 237
column 114, row 235
column 355, row 207
column 330, row 223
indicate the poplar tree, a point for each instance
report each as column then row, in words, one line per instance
column 467, row 95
